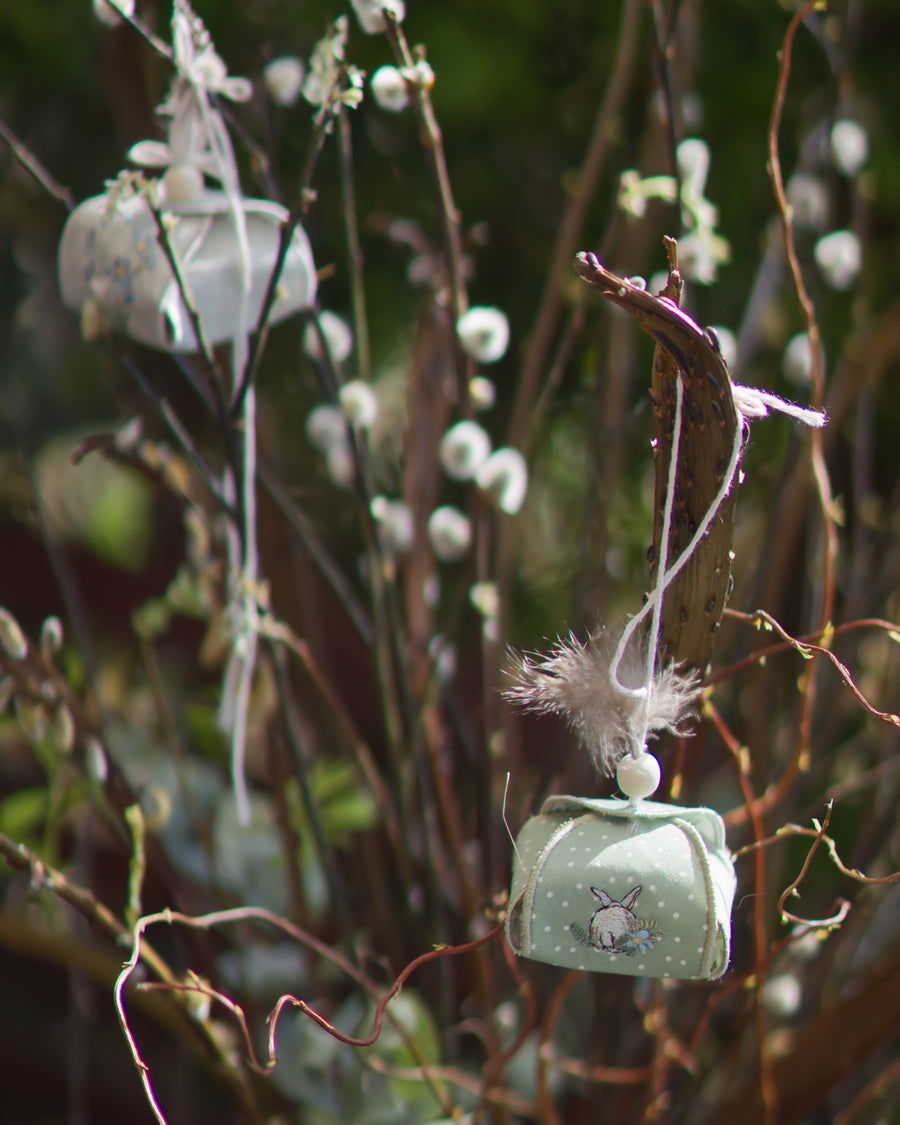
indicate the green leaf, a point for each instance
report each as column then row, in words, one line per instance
column 22, row 814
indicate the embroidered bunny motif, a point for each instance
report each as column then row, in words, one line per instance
column 614, row 920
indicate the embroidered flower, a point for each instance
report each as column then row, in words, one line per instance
column 640, row 939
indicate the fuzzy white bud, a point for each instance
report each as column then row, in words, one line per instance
column 485, row 597
column 782, row 995
column 483, row 333
column 463, row 450
column 12, row 639
column 338, row 337
column 422, row 75
column 482, row 393
column 849, row 146
column 109, row 12
column 95, row 760
column 284, row 79
column 839, row 257
column 449, row 532
column 389, row 89
column 370, row 14
column 339, row 464
column 326, row 426
column 808, row 199
column 504, row 477
column 396, row 522
column 443, row 653
column 359, row 404
column 796, row 363
column 51, row 637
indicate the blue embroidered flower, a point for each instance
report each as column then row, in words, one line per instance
column 641, row 937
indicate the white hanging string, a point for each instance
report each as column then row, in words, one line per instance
column 749, row 402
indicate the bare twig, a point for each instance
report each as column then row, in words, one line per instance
column 35, row 168
column 224, row 917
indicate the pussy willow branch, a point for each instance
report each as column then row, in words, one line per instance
column 433, row 145
column 180, row 433
column 165, row 244
column 260, row 334
column 354, row 247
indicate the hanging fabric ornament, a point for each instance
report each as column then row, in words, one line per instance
column 112, row 266
column 642, row 890
column 638, row 887
column 113, row 270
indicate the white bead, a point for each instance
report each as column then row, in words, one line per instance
column 638, row 777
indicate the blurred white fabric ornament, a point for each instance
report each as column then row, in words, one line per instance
column 464, row 449
column 108, row 12
column 449, row 532
column 389, row 89
column 110, row 257
column 283, row 78
column 370, row 14
column 338, row 337
column 849, row 146
column 483, row 333
column 839, row 257
column 504, row 477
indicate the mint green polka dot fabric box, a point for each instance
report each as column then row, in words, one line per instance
column 641, row 889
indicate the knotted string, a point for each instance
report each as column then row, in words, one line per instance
column 749, row 402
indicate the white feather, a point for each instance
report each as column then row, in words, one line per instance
column 573, row 681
